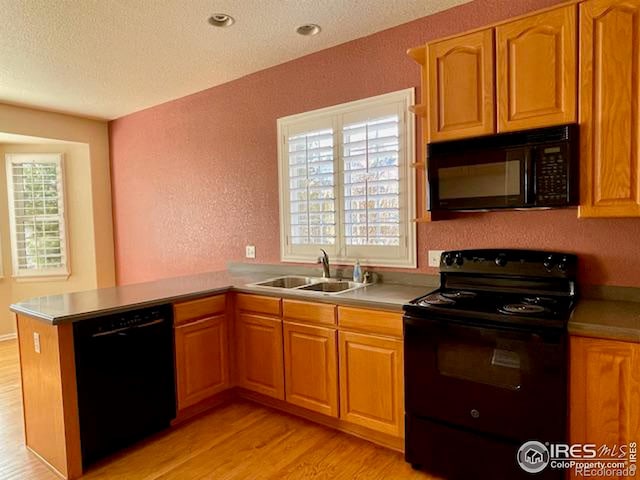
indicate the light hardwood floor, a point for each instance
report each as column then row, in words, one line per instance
column 238, row 441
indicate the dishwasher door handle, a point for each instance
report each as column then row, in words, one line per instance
column 155, row 322
column 108, row 333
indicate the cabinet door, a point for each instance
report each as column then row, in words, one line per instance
column 537, row 70
column 371, row 382
column 461, row 86
column 311, row 367
column 609, row 108
column 605, row 391
column 202, row 360
column 259, row 360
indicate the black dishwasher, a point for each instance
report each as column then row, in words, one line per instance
column 125, row 377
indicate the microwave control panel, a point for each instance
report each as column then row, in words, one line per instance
column 551, row 175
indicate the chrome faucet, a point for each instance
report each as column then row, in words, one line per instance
column 324, row 260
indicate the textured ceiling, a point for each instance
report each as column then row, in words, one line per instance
column 108, row 58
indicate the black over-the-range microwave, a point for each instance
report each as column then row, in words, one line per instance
column 527, row 169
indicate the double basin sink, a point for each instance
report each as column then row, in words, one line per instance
column 319, row 285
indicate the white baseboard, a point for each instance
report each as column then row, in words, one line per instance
column 8, row 336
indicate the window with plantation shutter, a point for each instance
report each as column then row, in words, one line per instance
column 36, row 210
column 371, row 181
column 312, row 196
column 346, row 182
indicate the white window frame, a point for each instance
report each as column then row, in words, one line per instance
column 48, row 274
column 333, row 117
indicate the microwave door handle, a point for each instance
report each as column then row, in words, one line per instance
column 530, row 176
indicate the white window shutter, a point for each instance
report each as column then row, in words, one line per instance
column 346, row 182
column 312, row 199
column 37, row 215
column 372, row 181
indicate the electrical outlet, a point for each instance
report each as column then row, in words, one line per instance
column 36, row 342
column 250, row 251
column 434, row 257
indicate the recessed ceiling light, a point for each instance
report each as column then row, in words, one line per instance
column 221, row 20
column 308, row 30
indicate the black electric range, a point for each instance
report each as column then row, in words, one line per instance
column 486, row 362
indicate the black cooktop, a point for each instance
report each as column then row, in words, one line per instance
column 498, row 307
column 509, row 287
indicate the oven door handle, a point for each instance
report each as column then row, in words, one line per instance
column 429, row 324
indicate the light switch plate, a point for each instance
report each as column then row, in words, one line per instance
column 434, row 257
column 36, row 342
column 250, row 251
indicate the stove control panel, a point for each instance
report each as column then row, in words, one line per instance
column 452, row 259
column 510, row 262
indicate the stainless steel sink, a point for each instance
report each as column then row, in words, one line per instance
column 330, row 287
column 309, row 285
column 286, row 282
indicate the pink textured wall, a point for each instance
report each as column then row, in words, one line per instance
column 195, row 179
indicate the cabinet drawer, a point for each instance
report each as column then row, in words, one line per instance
column 370, row 321
column 322, row 313
column 202, row 307
column 258, row 304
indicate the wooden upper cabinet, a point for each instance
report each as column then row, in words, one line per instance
column 605, row 391
column 537, row 70
column 202, row 359
column 461, row 86
column 609, row 108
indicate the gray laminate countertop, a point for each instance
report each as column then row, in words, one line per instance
column 72, row 307
column 615, row 319
column 609, row 319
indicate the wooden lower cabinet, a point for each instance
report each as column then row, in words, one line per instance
column 605, row 391
column 260, row 354
column 371, row 382
column 311, row 367
column 202, row 359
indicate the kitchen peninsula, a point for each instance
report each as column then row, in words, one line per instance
column 223, row 311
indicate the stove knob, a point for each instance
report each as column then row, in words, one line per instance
column 562, row 264
column 475, row 413
column 459, row 259
column 501, row 260
column 549, row 262
column 447, row 259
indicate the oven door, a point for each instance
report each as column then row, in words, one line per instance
column 502, row 381
column 481, row 179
